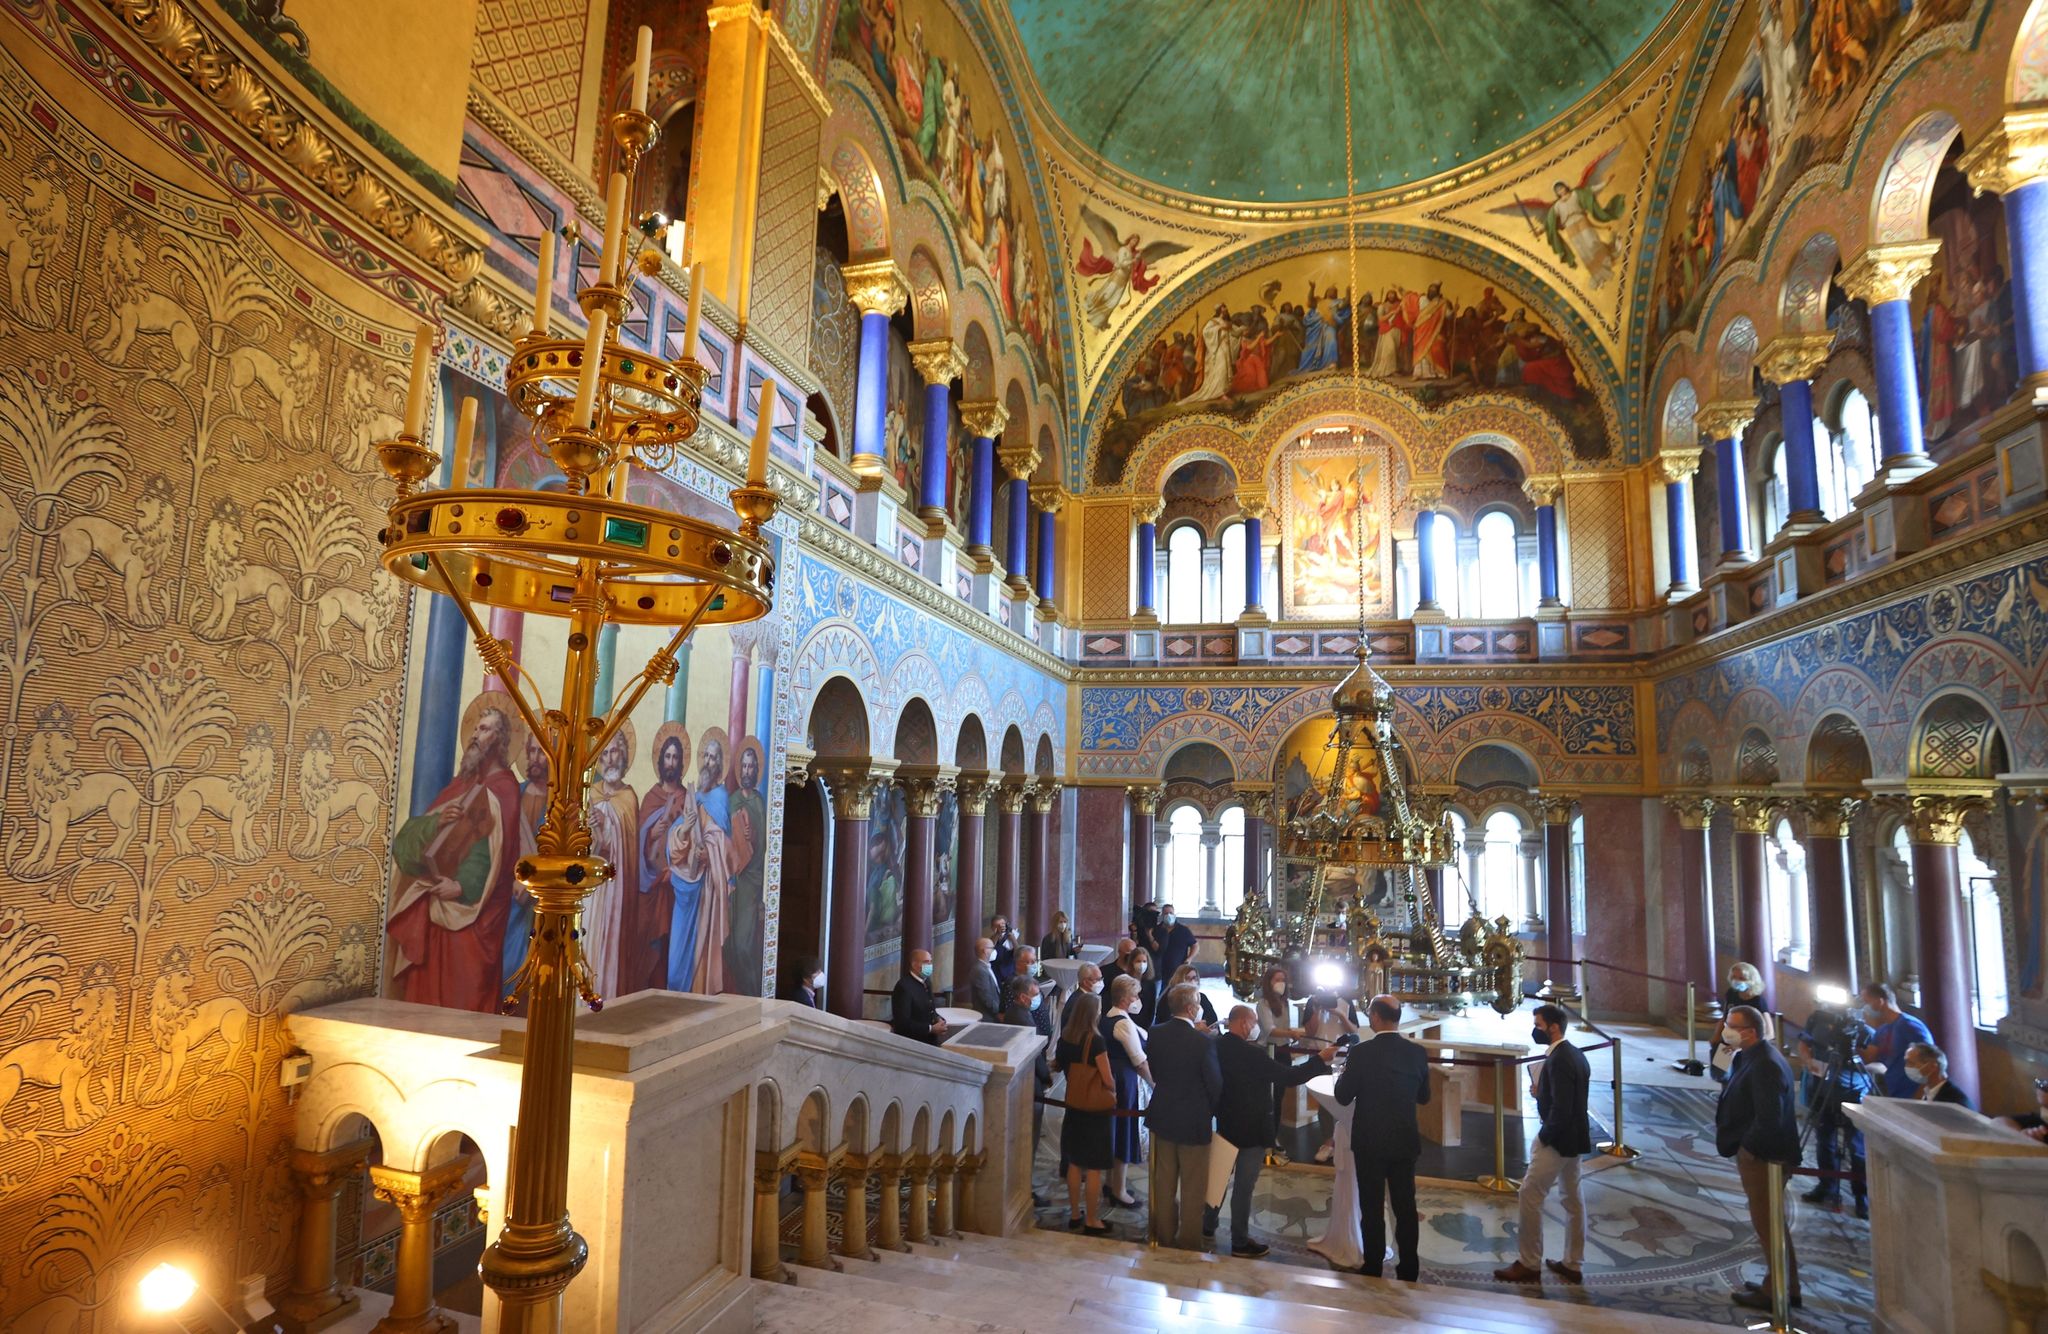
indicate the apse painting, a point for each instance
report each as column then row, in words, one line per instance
column 1423, row 327
column 1963, row 312
column 678, row 806
column 1792, row 78
column 1118, row 267
column 1575, row 222
column 903, row 418
column 949, row 123
column 1327, row 488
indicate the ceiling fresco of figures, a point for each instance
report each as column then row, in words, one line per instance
column 1434, row 89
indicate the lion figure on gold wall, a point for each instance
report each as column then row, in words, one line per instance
column 294, row 384
column 136, row 552
column 62, row 797
column 32, row 231
column 134, row 307
column 234, row 581
column 237, row 798
column 327, row 798
column 179, row 1025
column 65, row 1062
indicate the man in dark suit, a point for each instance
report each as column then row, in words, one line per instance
column 1560, row 1085
column 1028, row 1009
column 1244, row 1115
column 1754, row 1125
column 912, row 1011
column 1186, row 1084
column 1172, row 944
column 1004, row 961
column 1927, row 1067
column 983, row 991
column 809, row 986
column 1388, row 1078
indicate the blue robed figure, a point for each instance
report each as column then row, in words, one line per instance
column 1319, row 326
column 687, row 865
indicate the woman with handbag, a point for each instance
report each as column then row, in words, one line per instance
column 1091, row 1096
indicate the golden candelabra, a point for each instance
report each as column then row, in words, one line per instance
column 586, row 554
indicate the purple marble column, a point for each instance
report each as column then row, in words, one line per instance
column 967, row 915
column 853, row 794
column 1752, row 817
column 1010, row 802
column 1945, row 1005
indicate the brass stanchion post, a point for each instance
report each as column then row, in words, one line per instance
column 1781, row 1278
column 1618, row 1147
column 1499, row 1180
column 1692, row 1025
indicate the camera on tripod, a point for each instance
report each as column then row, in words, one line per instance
column 1835, row 1035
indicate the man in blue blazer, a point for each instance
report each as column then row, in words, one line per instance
column 1186, row 1084
column 1388, row 1078
column 1754, row 1124
column 1560, row 1085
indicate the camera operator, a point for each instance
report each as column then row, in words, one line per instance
column 1831, row 1049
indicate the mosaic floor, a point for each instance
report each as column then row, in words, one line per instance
column 1666, row 1236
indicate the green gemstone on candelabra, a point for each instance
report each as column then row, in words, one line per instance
column 625, row 532
column 625, row 365
column 419, row 563
column 718, row 603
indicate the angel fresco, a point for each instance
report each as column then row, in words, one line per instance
column 1574, row 221
column 1119, row 270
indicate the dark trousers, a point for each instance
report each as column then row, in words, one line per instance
column 1831, row 1131
column 1244, row 1179
column 1379, row 1178
column 1280, row 1092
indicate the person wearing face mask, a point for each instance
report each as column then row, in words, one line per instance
column 1387, row 1078
column 984, row 992
column 1560, row 1086
column 1089, row 980
column 1927, row 1067
column 1745, row 987
column 913, row 1013
column 1188, row 976
column 1755, row 1125
column 1004, row 939
column 810, row 984
column 1139, row 969
column 1277, row 1028
column 1125, row 1039
column 1246, row 1123
column 1172, row 943
column 1892, row 1031
column 1027, row 1009
column 1060, row 942
column 1119, row 963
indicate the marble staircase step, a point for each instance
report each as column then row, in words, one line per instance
column 785, row 1308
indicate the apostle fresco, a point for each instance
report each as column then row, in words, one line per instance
column 749, row 831
column 643, row 957
column 452, row 890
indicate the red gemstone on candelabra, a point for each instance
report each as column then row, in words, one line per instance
column 721, row 554
column 511, row 520
column 575, row 358
column 668, row 382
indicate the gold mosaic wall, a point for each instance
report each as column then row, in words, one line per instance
column 199, row 697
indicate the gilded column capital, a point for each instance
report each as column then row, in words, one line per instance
column 938, row 360
column 1936, row 815
column 1752, row 812
column 1148, row 510
column 924, row 789
column 1790, row 357
column 1048, row 498
column 416, row 1194
column 814, row 1171
column 1144, row 797
column 1044, row 796
column 2013, row 155
column 1020, row 461
column 1828, row 814
column 1543, row 490
column 973, row 790
column 1676, row 465
column 984, row 420
column 1890, row 271
column 1557, row 806
column 1257, row 510
column 1012, row 797
column 1724, row 420
column 876, row 286
column 1427, row 491
column 1695, row 810
column 324, row 1174
column 854, row 784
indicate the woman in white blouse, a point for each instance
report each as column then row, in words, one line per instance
column 1126, row 1043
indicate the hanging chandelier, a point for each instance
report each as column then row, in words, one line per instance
column 1356, row 822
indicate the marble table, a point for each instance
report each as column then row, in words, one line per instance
column 1343, row 1241
column 958, row 1017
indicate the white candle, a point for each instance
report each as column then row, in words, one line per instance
column 764, row 430
column 544, row 282
column 593, row 355
column 416, row 393
column 614, row 230
column 465, row 431
column 643, row 60
column 696, row 309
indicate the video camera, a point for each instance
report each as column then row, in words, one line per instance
column 1836, row 1035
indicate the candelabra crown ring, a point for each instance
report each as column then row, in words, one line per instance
column 645, row 401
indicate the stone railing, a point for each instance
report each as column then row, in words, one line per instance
column 676, row 1098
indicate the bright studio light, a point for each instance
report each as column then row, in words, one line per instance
column 1831, row 995
column 1328, row 976
column 166, row 1288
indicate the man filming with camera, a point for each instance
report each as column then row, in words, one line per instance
column 1831, row 1053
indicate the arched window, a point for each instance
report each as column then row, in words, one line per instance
column 1231, row 601
column 1773, row 493
column 1500, row 874
column 1578, row 849
column 1230, row 823
column 1831, row 472
column 1500, row 576
column 1185, row 888
column 1856, row 441
column 1981, row 910
column 1785, row 881
column 1443, row 541
column 1184, row 575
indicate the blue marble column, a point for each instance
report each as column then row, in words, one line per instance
column 436, row 744
column 607, row 684
column 2012, row 162
column 1678, row 466
column 1425, row 561
column 1048, row 547
column 1724, row 423
column 878, row 291
column 1883, row 278
column 984, row 421
column 676, row 702
column 1017, row 556
column 1791, row 362
column 1148, row 564
column 1254, row 561
column 940, row 363
column 1546, row 553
